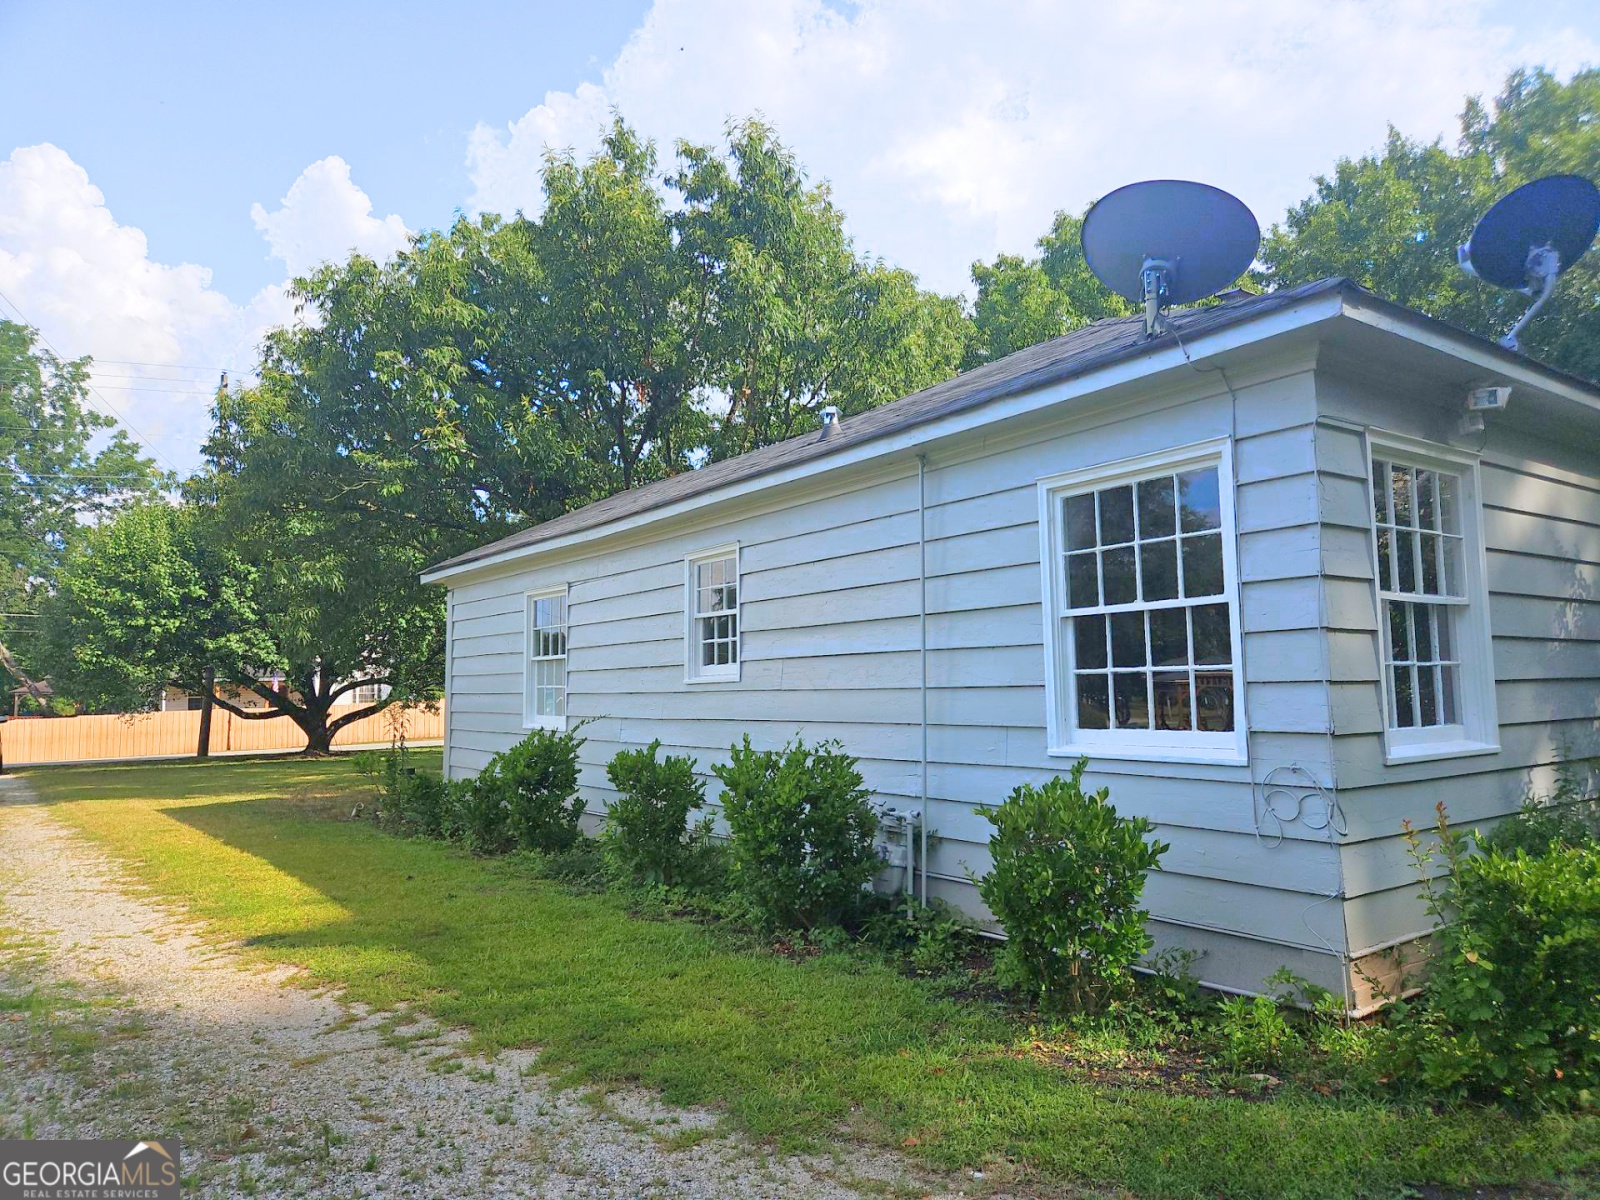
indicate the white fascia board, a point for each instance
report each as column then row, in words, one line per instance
column 1311, row 311
column 1468, row 349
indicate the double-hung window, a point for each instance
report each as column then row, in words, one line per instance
column 713, row 615
column 545, row 662
column 1438, row 689
column 1142, row 626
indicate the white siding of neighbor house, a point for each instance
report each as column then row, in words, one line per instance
column 829, row 598
column 1541, row 529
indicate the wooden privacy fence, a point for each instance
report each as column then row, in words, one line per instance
column 36, row 740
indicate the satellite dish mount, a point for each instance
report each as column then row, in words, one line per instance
column 1155, row 277
column 1544, row 267
column 1530, row 237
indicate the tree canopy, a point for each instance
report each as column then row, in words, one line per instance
column 1024, row 301
column 1392, row 220
column 59, row 473
column 507, row 370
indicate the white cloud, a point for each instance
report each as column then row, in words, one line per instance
column 323, row 217
column 89, row 284
column 505, row 171
column 952, row 131
column 159, row 334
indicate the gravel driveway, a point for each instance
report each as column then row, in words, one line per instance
column 117, row 1021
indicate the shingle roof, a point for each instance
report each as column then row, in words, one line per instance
column 1076, row 353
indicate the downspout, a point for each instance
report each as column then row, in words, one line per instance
column 922, row 651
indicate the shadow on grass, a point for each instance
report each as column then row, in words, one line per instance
column 794, row 1050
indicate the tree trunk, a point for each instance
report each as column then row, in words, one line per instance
column 314, row 719
column 319, row 741
column 209, row 676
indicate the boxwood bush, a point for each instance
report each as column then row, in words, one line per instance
column 648, row 838
column 526, row 798
column 801, row 833
column 1510, row 1008
column 1066, row 880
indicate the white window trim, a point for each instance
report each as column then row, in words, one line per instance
column 1479, row 732
column 1063, row 739
column 531, row 719
column 693, row 671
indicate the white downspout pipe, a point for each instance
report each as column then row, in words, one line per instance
column 922, row 650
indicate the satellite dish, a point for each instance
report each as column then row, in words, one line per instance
column 1530, row 237
column 1168, row 241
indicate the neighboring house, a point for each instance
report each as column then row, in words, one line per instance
column 1265, row 580
column 36, row 697
column 175, row 699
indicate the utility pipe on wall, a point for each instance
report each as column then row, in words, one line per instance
column 922, row 647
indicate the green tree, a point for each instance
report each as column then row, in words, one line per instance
column 58, row 475
column 800, row 320
column 169, row 594
column 624, row 311
column 507, row 370
column 1392, row 220
column 145, row 600
column 1024, row 301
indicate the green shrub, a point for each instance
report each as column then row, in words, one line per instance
column 1255, row 1035
column 647, row 837
column 1569, row 816
column 476, row 815
column 525, row 799
column 932, row 939
column 801, row 832
column 1510, row 1008
column 1065, row 884
column 537, row 781
column 411, row 799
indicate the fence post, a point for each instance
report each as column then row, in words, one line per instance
column 209, row 676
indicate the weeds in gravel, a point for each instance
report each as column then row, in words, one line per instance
column 793, row 1048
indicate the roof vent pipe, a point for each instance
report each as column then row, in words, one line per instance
column 830, row 417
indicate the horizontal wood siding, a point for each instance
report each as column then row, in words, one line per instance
column 829, row 595
column 1541, row 525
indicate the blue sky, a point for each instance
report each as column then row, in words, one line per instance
column 185, row 114
column 164, row 169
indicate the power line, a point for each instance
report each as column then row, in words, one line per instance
column 110, row 411
column 100, row 377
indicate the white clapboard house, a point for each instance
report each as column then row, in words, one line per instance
column 1265, row 574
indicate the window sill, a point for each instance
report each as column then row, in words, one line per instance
column 1396, row 756
column 1209, row 758
column 731, row 677
column 558, row 724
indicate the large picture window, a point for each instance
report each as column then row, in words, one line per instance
column 1143, row 627
column 545, row 664
column 1438, row 693
column 713, row 634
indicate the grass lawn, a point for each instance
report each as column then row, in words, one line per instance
column 792, row 1050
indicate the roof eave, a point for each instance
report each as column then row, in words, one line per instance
column 1039, row 391
column 1492, row 358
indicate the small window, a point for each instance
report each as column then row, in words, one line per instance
column 545, row 668
column 1143, row 628
column 1438, row 693
column 366, row 693
column 713, row 583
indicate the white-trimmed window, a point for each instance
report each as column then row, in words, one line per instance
column 1438, row 685
column 1142, row 627
column 545, row 663
column 713, row 611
